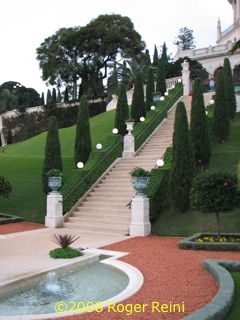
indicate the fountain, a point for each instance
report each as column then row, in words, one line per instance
column 51, row 285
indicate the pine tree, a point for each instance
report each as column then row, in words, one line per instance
column 230, row 93
column 83, row 144
column 52, row 159
column 199, row 127
column 161, row 78
column 155, row 57
column 221, row 123
column 138, row 106
column 182, row 168
column 121, row 110
column 66, row 95
column 149, row 89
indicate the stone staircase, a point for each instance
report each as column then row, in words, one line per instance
column 105, row 210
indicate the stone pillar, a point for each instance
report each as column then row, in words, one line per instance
column 140, row 224
column 54, row 217
column 129, row 142
column 186, row 78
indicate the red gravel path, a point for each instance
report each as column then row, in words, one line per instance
column 171, row 275
column 19, row 226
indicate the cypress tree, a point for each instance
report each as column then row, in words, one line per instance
column 161, row 78
column 155, row 57
column 66, row 95
column 54, row 97
column 149, row 89
column 221, row 123
column 49, row 98
column 230, row 93
column 182, row 168
column 52, row 159
column 199, row 127
column 42, row 99
column 83, row 144
column 138, row 106
column 147, row 59
column 121, row 110
column 9, row 136
column 59, row 96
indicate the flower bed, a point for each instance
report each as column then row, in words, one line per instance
column 209, row 241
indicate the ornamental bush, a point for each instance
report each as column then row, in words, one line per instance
column 5, row 187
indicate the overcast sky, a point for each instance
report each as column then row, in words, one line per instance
column 24, row 24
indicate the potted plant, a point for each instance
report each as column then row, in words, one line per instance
column 54, row 179
column 140, row 179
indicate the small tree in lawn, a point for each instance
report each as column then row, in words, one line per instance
column 215, row 192
column 221, row 123
column 182, row 168
column 122, row 111
column 83, row 144
column 149, row 89
column 52, row 159
column 230, row 93
column 138, row 106
column 161, row 75
column 199, row 127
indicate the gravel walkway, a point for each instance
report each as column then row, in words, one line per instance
column 171, row 276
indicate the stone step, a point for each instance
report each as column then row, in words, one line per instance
column 102, row 210
column 106, row 219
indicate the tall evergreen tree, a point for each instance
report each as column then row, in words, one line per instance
column 230, row 93
column 42, row 99
column 66, row 95
column 138, row 106
column 149, row 89
column 182, row 168
column 49, row 98
column 199, row 127
column 83, row 144
column 121, row 110
column 54, row 97
column 124, row 74
column 147, row 59
column 52, row 159
column 59, row 96
column 161, row 78
column 164, row 58
column 155, row 56
column 221, row 123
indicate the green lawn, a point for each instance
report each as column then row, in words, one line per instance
column 234, row 312
column 21, row 164
column 225, row 157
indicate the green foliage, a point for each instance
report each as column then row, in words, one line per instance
column 182, row 169
column 66, row 95
column 149, row 89
column 138, row 105
column 139, row 172
column 155, row 57
column 5, row 187
column 199, row 127
column 112, row 83
column 215, row 192
column 230, row 94
column 185, row 38
column 158, row 186
column 54, row 173
column 83, row 144
column 122, row 111
column 221, row 124
column 161, row 77
column 65, row 253
column 65, row 240
column 52, row 159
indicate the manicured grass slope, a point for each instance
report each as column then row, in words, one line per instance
column 21, row 164
column 225, row 157
column 234, row 312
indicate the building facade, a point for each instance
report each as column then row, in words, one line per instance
column 212, row 57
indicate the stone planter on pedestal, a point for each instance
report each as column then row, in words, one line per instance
column 129, row 142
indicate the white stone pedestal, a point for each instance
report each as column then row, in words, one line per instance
column 140, row 224
column 186, row 78
column 128, row 146
column 54, row 217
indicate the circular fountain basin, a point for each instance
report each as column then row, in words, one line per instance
column 89, row 282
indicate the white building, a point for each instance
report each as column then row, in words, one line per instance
column 212, row 57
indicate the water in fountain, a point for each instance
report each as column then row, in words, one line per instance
column 51, row 285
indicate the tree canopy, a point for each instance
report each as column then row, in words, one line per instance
column 88, row 52
column 185, row 38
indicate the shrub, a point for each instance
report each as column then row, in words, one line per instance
column 5, row 187
column 65, row 253
column 65, row 240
